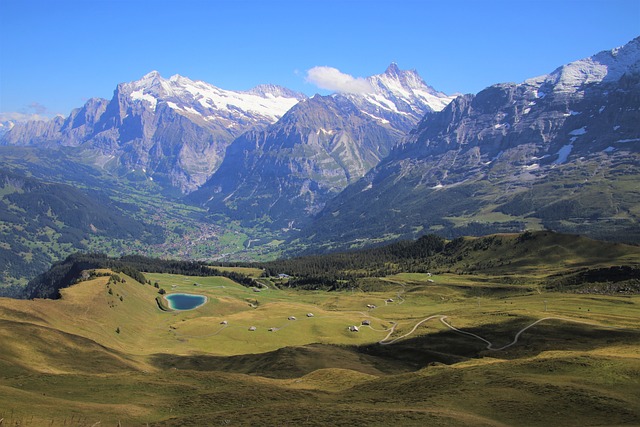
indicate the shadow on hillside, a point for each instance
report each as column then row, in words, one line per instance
column 289, row 362
column 448, row 346
column 445, row 346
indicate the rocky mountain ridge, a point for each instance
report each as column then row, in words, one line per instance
column 399, row 97
column 559, row 151
column 283, row 174
column 172, row 130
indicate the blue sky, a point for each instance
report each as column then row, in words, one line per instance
column 55, row 54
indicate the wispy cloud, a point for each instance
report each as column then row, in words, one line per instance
column 14, row 116
column 333, row 79
column 33, row 111
column 37, row 108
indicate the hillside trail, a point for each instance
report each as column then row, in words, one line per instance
column 385, row 341
column 490, row 345
column 442, row 317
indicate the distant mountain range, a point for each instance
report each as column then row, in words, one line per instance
column 174, row 131
column 285, row 173
column 396, row 160
column 560, row 151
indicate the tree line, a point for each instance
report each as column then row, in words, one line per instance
column 69, row 271
column 420, row 255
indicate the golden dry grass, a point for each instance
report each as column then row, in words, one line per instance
column 64, row 358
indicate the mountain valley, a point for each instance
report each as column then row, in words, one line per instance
column 319, row 213
column 278, row 173
column 388, row 256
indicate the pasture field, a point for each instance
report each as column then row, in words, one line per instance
column 443, row 349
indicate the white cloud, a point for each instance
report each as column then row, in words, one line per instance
column 33, row 111
column 333, row 79
column 20, row 117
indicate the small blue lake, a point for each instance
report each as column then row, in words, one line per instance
column 185, row 301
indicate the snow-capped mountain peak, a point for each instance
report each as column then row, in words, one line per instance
column 6, row 126
column 400, row 79
column 608, row 65
column 175, row 129
column 275, row 91
column 151, row 76
column 197, row 98
column 399, row 93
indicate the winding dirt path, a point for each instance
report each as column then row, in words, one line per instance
column 490, row 345
column 398, row 294
column 385, row 342
column 388, row 341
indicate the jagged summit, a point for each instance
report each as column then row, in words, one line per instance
column 392, row 69
column 151, row 75
column 149, row 80
column 271, row 90
column 401, row 95
column 410, row 77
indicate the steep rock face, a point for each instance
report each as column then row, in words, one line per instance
column 287, row 172
column 559, row 150
column 37, row 132
column 173, row 130
column 6, row 125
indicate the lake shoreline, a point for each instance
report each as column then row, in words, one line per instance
column 175, row 305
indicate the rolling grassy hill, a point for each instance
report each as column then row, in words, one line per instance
column 106, row 353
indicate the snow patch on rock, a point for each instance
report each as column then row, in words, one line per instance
column 577, row 132
column 563, row 154
column 268, row 102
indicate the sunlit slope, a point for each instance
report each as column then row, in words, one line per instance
column 128, row 319
column 124, row 316
column 118, row 316
column 520, row 355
